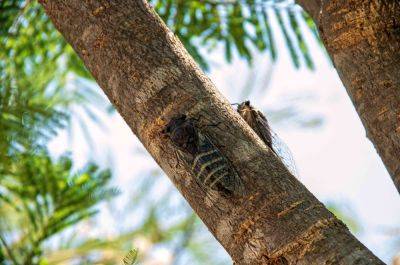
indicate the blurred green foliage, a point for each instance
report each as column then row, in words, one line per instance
column 239, row 26
column 39, row 196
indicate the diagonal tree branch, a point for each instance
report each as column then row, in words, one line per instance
column 150, row 78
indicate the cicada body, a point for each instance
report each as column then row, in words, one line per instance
column 259, row 123
column 210, row 168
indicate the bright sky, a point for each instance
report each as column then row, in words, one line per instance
column 335, row 161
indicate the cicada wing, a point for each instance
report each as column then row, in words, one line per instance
column 259, row 123
column 284, row 153
column 263, row 129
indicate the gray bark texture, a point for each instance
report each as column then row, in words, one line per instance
column 363, row 39
column 150, row 78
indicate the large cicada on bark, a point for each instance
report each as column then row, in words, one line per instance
column 259, row 123
column 210, row 167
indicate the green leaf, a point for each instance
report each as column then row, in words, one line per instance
column 288, row 40
column 300, row 40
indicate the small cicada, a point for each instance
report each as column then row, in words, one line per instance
column 257, row 121
column 211, row 169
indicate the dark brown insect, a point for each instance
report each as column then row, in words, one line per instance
column 259, row 123
column 210, row 168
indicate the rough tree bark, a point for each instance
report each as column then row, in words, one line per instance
column 149, row 77
column 363, row 40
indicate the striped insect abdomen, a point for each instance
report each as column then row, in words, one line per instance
column 213, row 170
column 208, row 165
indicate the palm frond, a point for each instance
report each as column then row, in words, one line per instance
column 240, row 26
column 48, row 197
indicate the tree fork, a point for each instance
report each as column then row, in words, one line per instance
column 363, row 39
column 149, row 77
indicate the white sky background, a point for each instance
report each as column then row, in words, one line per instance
column 335, row 161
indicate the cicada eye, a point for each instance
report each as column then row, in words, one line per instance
column 247, row 103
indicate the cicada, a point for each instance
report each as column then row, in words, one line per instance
column 212, row 170
column 259, row 123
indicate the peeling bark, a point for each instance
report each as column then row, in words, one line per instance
column 149, row 77
column 363, row 40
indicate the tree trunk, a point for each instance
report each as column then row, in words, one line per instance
column 149, row 77
column 363, row 40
